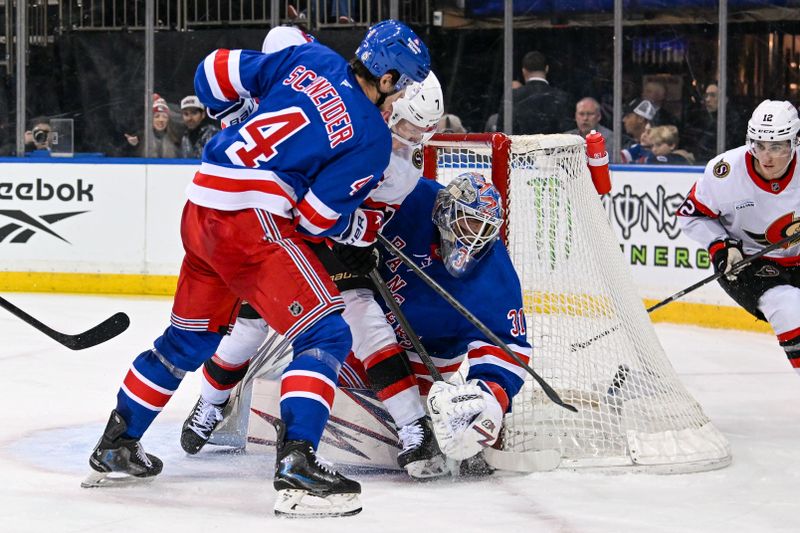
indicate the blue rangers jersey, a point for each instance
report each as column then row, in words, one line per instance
column 491, row 292
column 312, row 150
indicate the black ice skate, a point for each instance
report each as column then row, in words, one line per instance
column 201, row 423
column 306, row 487
column 421, row 456
column 115, row 454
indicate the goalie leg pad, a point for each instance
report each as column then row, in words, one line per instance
column 466, row 418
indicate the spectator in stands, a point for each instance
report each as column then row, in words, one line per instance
column 199, row 128
column 656, row 93
column 39, row 138
column 701, row 129
column 637, row 121
column 538, row 107
column 166, row 140
column 450, row 124
column 663, row 141
column 491, row 122
column 587, row 118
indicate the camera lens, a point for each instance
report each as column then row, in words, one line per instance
column 40, row 136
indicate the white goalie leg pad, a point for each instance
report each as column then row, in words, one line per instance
column 294, row 503
column 466, row 419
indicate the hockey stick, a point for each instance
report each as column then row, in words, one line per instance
column 713, row 277
column 107, row 329
column 386, row 294
column 529, row 461
column 548, row 390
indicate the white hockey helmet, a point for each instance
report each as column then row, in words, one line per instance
column 415, row 115
column 773, row 120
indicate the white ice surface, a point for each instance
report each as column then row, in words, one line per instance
column 56, row 403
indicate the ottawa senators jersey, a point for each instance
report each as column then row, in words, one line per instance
column 732, row 200
column 399, row 179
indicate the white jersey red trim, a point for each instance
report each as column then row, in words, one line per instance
column 731, row 200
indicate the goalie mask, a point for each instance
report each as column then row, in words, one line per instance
column 469, row 215
column 773, row 128
column 416, row 114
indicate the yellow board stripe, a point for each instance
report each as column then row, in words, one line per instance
column 712, row 316
column 88, row 283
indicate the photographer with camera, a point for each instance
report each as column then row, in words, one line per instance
column 39, row 138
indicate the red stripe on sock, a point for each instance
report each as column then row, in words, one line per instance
column 382, row 355
column 144, row 391
column 789, row 335
column 396, row 388
column 308, row 384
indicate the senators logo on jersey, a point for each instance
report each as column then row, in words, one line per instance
column 416, row 159
column 722, row 169
column 779, row 229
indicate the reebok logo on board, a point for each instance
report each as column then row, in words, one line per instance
column 24, row 226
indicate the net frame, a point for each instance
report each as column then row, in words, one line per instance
column 592, row 338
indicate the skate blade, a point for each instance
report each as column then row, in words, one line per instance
column 428, row 469
column 113, row 479
column 295, row 503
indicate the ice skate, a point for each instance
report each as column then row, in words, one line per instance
column 198, row 427
column 306, row 487
column 117, row 460
column 421, row 456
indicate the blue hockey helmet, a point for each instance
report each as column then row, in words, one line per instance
column 391, row 45
column 469, row 215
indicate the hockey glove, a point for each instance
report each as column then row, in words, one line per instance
column 465, row 418
column 357, row 260
column 725, row 254
column 237, row 113
column 363, row 228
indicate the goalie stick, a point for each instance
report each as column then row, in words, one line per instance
column 548, row 390
column 575, row 346
column 107, row 329
column 529, row 461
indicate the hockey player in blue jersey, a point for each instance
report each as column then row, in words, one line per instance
column 295, row 166
column 456, row 246
column 412, row 118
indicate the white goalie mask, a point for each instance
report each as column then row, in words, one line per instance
column 469, row 216
column 415, row 115
column 774, row 123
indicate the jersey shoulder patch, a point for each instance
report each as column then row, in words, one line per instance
column 721, row 169
column 416, row 158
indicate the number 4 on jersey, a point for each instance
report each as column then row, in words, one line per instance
column 262, row 133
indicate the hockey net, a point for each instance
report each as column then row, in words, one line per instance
column 591, row 336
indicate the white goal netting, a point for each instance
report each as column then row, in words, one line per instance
column 591, row 335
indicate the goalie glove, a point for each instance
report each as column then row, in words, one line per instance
column 237, row 113
column 724, row 254
column 466, row 418
column 363, row 228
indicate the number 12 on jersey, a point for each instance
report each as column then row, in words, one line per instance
column 263, row 133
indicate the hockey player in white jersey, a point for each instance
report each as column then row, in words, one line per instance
column 412, row 119
column 747, row 199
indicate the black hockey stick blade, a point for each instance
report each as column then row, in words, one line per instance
column 108, row 329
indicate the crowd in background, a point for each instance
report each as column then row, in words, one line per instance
column 651, row 134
